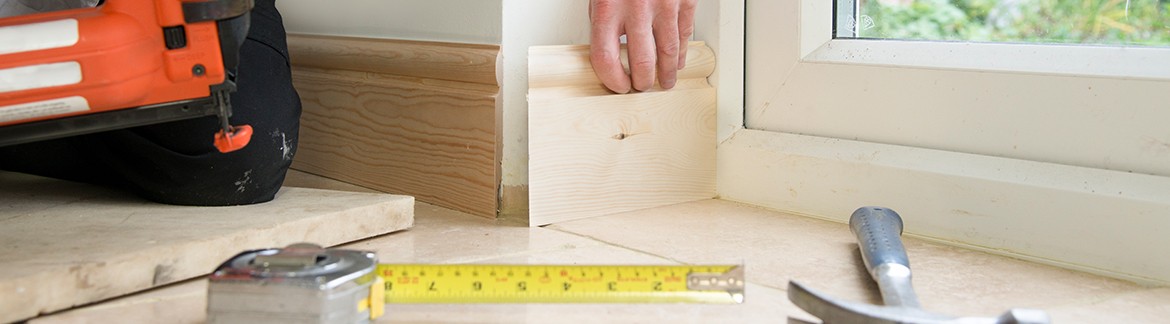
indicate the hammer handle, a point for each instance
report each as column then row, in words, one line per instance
column 878, row 232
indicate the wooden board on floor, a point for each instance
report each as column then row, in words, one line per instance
column 417, row 118
column 67, row 244
column 594, row 153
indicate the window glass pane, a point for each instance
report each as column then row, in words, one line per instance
column 1104, row 22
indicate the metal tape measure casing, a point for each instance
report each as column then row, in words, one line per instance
column 302, row 283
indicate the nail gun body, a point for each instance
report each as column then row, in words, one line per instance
column 126, row 63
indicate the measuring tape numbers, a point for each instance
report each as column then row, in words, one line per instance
column 472, row 283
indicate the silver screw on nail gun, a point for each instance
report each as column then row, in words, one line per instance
column 878, row 232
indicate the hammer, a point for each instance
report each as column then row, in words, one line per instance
column 878, row 232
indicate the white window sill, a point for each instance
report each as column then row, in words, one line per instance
column 1079, row 60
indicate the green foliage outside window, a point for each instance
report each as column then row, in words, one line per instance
column 1112, row 22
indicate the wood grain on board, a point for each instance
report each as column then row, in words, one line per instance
column 594, row 153
column 67, row 244
column 430, row 60
column 415, row 118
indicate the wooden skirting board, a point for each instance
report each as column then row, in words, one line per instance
column 593, row 153
column 68, row 244
column 406, row 117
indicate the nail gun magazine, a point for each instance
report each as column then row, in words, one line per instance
column 72, row 67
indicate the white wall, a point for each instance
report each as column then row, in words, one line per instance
column 530, row 23
column 458, row 21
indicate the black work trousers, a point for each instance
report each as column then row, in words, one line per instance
column 176, row 163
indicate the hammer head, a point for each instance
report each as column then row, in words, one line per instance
column 833, row 311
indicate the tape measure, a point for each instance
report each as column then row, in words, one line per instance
column 307, row 283
column 463, row 283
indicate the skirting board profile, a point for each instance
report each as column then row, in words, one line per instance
column 592, row 152
column 405, row 117
column 1100, row 221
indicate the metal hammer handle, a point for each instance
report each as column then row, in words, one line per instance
column 878, row 232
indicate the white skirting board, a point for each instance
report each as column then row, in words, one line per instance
column 1101, row 221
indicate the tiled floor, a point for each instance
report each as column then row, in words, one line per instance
column 775, row 247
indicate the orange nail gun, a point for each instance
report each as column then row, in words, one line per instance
column 123, row 64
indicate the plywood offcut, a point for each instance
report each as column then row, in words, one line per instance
column 66, row 244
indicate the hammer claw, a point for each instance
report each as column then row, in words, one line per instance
column 834, row 311
column 878, row 232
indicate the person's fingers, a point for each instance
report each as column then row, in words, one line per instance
column 640, row 44
column 605, row 49
column 686, row 28
column 656, row 36
column 643, row 57
column 666, row 36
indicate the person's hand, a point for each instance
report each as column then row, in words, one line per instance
column 656, row 36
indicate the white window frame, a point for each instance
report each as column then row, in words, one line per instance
column 818, row 45
column 1065, row 212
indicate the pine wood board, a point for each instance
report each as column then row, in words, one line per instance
column 417, row 118
column 568, row 66
column 400, row 135
column 67, row 244
column 594, row 153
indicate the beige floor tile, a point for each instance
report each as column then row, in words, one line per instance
column 823, row 255
column 179, row 303
column 1145, row 306
column 762, row 305
column 775, row 247
column 444, row 236
column 441, row 235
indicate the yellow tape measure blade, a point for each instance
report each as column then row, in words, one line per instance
column 405, row 283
